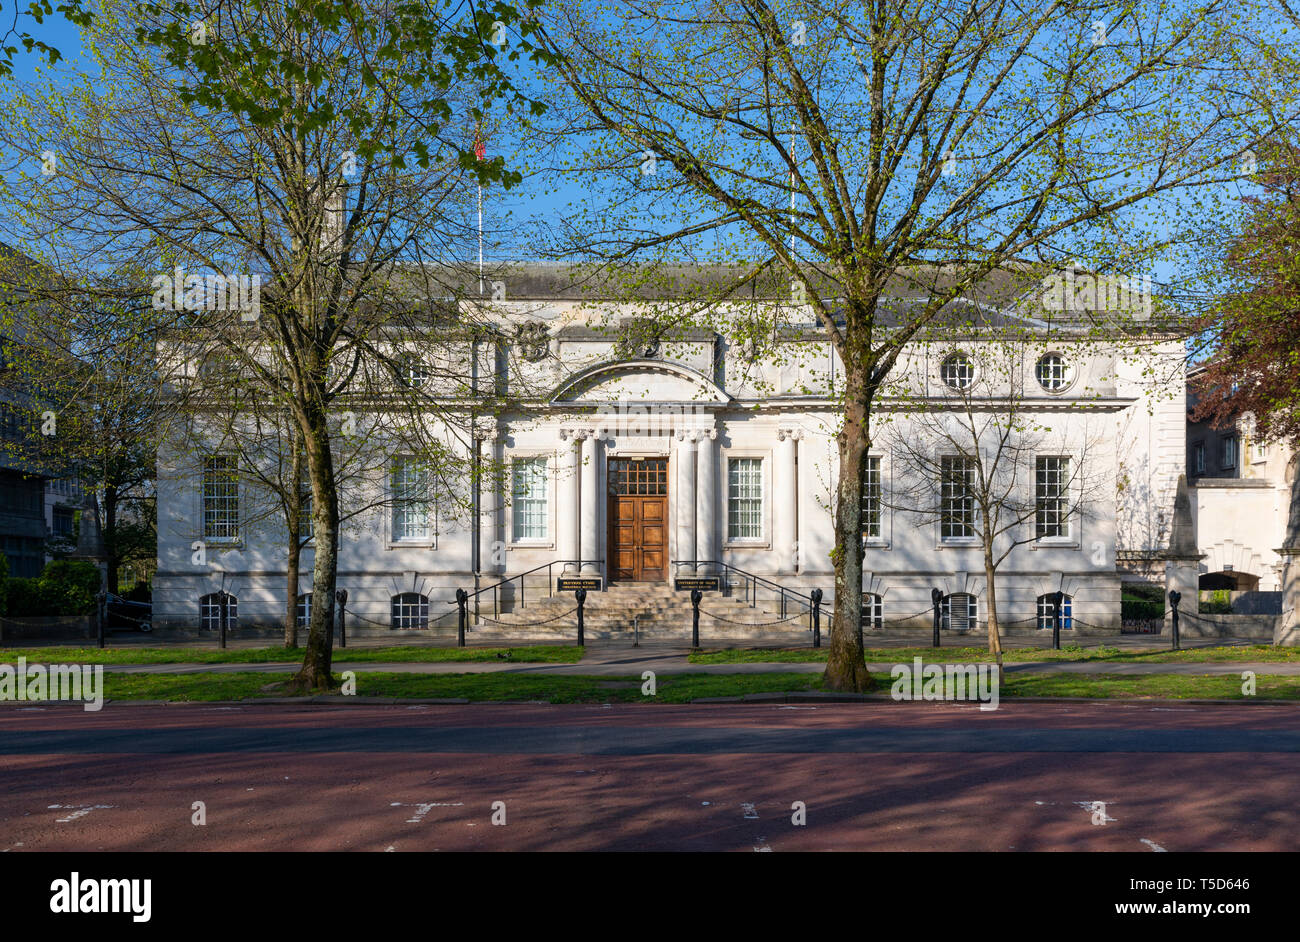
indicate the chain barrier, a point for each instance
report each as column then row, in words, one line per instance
column 760, row 624
column 523, row 624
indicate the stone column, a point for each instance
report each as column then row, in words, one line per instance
column 684, row 499
column 566, row 499
column 706, row 502
column 1183, row 563
column 590, row 547
column 785, row 501
column 490, row 560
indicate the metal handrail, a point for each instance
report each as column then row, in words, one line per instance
column 751, row 586
column 550, row 582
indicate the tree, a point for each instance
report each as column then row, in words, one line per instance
column 985, row 464
column 256, row 149
column 909, row 148
column 84, row 352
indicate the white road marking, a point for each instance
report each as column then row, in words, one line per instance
column 1152, row 844
column 78, row 811
column 424, row 807
column 761, row 847
column 748, row 808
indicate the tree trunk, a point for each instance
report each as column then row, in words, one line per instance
column 845, row 669
column 315, row 671
column 291, row 585
column 293, row 513
column 112, row 561
column 995, row 640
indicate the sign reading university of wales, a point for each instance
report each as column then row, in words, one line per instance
column 571, row 583
column 703, row 583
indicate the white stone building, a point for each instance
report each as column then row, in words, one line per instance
column 698, row 454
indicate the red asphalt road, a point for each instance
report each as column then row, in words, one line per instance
column 686, row 800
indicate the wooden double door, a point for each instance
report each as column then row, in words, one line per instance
column 638, row 519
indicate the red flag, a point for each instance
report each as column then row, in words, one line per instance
column 480, row 146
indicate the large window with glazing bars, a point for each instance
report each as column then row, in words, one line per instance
column 220, row 498
column 871, row 495
column 958, row 514
column 528, row 498
column 306, row 524
column 745, row 499
column 1051, row 485
column 412, row 503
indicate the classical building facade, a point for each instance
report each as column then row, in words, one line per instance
column 1243, row 490
column 638, row 455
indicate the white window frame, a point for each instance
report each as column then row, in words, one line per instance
column 210, row 611
column 1044, row 611
column 1063, row 380
column 306, row 519
column 765, row 489
column 400, row 611
column 952, row 358
column 878, row 538
column 973, row 538
column 546, row 538
column 1064, row 522
column 415, row 371
column 873, row 611
column 430, row 538
column 233, row 470
column 302, row 610
column 1198, row 457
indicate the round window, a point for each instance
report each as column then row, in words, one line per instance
column 1052, row 372
column 958, row 371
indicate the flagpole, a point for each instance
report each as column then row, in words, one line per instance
column 480, row 240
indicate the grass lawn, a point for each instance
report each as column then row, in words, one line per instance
column 676, row 688
column 532, row 654
column 555, row 689
column 1252, row 652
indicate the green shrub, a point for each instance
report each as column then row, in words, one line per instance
column 26, row 598
column 64, row 587
column 1215, row 602
column 1134, row 607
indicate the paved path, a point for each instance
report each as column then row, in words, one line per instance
column 878, row 776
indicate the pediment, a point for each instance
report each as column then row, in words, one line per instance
column 647, row 381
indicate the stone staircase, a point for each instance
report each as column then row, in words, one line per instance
column 654, row 611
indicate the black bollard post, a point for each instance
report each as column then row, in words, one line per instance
column 696, row 595
column 225, row 612
column 936, row 599
column 816, row 596
column 581, row 596
column 462, row 614
column 101, row 606
column 341, row 596
column 1057, row 599
column 1174, row 599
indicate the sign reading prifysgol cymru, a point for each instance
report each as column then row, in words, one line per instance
column 572, row 583
column 703, row 583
